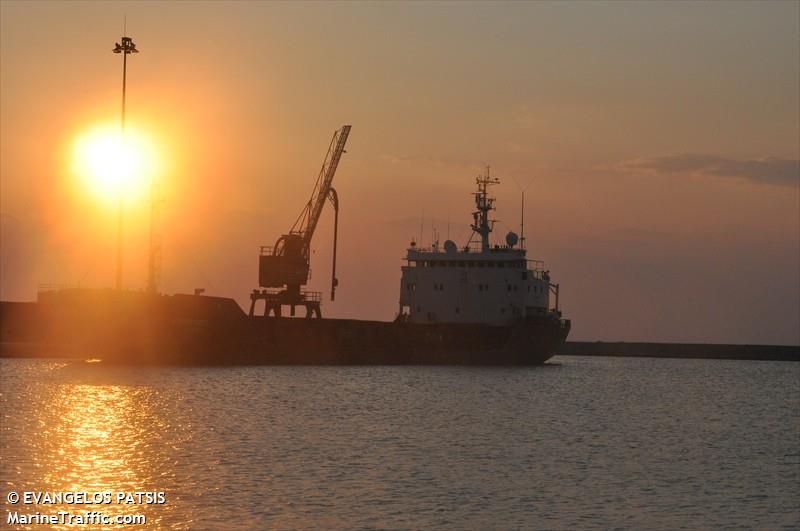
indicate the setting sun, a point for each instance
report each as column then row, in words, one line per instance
column 109, row 164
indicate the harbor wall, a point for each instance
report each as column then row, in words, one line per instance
column 681, row 350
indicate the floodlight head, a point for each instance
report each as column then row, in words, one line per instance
column 126, row 47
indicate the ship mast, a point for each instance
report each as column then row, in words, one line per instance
column 481, row 222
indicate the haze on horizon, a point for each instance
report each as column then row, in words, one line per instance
column 660, row 143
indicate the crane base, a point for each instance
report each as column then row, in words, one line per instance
column 274, row 301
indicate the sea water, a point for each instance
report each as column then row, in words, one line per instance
column 579, row 443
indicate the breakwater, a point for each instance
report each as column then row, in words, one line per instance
column 682, row 350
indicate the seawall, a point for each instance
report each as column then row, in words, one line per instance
column 681, row 350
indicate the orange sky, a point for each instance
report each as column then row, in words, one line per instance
column 661, row 142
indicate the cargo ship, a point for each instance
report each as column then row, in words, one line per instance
column 478, row 304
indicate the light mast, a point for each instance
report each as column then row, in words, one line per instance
column 125, row 48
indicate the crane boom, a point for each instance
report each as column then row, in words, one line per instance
column 306, row 223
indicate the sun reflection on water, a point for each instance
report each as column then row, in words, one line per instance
column 102, row 438
column 95, row 439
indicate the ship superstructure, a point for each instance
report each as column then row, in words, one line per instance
column 479, row 282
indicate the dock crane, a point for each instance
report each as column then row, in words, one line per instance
column 283, row 269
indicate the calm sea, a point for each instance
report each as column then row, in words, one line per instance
column 579, row 443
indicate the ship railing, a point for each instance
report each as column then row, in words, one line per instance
column 274, row 293
column 265, row 250
column 472, row 247
column 423, row 249
column 55, row 287
column 536, row 265
column 313, row 296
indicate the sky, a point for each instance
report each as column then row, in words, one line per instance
column 658, row 143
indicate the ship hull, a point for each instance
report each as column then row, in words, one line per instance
column 198, row 330
column 352, row 342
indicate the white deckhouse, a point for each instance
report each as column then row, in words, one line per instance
column 478, row 283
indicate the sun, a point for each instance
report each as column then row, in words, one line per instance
column 112, row 165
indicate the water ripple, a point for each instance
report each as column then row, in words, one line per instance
column 591, row 442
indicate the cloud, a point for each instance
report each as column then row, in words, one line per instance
column 395, row 159
column 770, row 171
